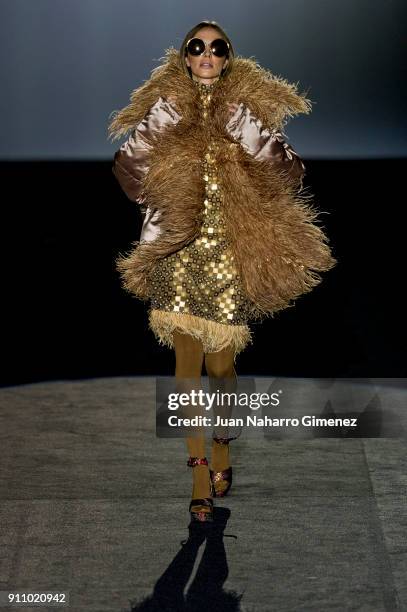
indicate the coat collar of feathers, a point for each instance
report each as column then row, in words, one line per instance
column 271, row 98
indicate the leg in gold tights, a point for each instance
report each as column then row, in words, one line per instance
column 222, row 376
column 189, row 357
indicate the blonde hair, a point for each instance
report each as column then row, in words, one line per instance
column 191, row 34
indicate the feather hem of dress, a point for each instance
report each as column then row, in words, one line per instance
column 214, row 336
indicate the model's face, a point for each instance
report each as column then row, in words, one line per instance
column 206, row 68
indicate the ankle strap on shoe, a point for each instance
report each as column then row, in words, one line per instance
column 193, row 461
column 223, row 440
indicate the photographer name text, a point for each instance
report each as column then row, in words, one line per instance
column 256, row 421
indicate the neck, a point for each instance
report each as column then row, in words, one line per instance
column 205, row 81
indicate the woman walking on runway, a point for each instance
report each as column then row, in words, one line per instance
column 228, row 233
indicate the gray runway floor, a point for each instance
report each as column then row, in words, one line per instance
column 94, row 504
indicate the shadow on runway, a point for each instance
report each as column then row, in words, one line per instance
column 206, row 590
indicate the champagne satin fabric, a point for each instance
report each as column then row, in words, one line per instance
column 262, row 143
column 131, row 161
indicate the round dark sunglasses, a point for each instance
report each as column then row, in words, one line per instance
column 219, row 47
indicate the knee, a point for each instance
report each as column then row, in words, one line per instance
column 219, row 370
column 188, row 364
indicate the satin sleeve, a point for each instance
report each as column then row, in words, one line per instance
column 264, row 144
column 131, row 161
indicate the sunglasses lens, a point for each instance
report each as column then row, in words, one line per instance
column 219, row 47
column 196, row 46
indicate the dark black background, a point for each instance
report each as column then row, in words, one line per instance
column 66, row 316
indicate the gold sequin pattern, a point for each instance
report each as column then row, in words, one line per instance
column 201, row 279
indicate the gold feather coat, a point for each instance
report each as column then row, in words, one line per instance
column 271, row 226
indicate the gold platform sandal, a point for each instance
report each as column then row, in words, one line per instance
column 222, row 481
column 201, row 509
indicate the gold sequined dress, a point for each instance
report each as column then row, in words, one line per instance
column 197, row 290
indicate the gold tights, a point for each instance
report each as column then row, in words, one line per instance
column 190, row 358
